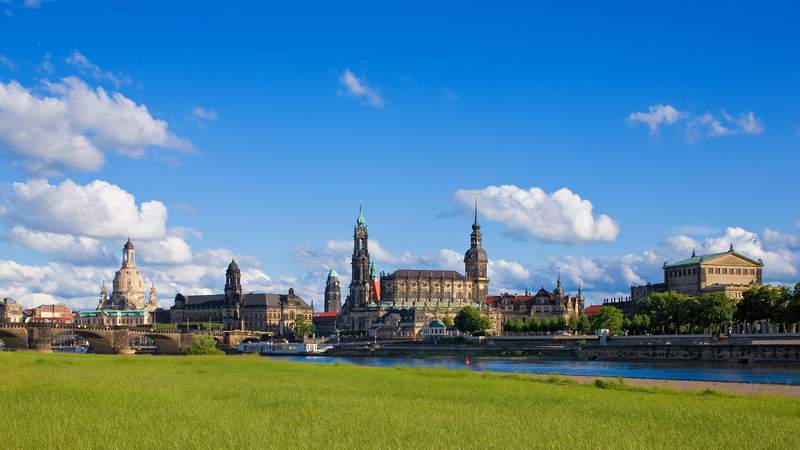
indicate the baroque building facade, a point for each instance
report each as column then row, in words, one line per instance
column 275, row 313
column 128, row 288
column 402, row 303
column 544, row 305
column 362, row 305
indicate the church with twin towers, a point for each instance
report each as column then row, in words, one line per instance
column 402, row 302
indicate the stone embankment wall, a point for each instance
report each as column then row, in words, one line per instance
column 711, row 352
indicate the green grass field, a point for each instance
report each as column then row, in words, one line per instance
column 94, row 401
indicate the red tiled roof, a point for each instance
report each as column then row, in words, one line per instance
column 592, row 310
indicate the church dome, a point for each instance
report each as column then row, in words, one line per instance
column 128, row 288
column 475, row 253
column 233, row 267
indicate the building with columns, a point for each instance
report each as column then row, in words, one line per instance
column 127, row 305
column 275, row 313
column 128, row 289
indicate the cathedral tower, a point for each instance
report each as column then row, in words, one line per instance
column 476, row 262
column 333, row 293
column 360, row 283
column 233, row 282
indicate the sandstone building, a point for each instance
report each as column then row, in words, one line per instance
column 730, row 273
column 544, row 305
column 127, row 305
column 402, row 303
column 333, row 293
column 128, row 290
column 276, row 313
column 10, row 311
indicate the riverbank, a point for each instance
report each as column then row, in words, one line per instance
column 164, row 402
column 791, row 391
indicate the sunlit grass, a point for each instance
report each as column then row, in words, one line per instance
column 95, row 401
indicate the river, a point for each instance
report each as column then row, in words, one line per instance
column 666, row 370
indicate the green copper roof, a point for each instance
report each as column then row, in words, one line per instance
column 436, row 324
column 361, row 220
column 372, row 271
column 695, row 259
column 113, row 313
column 333, row 274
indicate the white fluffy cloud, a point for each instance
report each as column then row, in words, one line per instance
column 65, row 247
column 97, row 210
column 75, row 125
column 698, row 126
column 354, row 86
column 655, row 116
column 562, row 216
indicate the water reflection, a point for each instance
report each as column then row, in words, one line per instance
column 677, row 370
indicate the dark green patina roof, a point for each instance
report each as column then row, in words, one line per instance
column 695, row 259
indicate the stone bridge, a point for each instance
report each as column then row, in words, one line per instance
column 40, row 337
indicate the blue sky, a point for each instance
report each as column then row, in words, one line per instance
column 267, row 124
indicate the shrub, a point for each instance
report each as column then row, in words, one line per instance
column 203, row 344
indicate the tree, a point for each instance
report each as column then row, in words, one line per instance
column 609, row 318
column 640, row 323
column 303, row 328
column 572, row 323
column 535, row 325
column 713, row 310
column 469, row 320
column 447, row 321
column 668, row 311
column 559, row 324
column 203, row 344
column 584, row 325
column 762, row 303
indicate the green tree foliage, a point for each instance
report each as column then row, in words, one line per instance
column 776, row 304
column 711, row 311
column 203, row 344
column 668, row 311
column 572, row 323
column 303, row 328
column 610, row 318
column 469, row 320
column 447, row 321
column 640, row 324
column 584, row 325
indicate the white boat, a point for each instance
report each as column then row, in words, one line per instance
column 283, row 347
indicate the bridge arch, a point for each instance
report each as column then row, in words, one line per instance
column 14, row 338
column 100, row 341
column 166, row 343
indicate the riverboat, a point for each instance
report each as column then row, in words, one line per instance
column 283, row 347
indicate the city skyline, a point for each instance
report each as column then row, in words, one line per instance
column 256, row 134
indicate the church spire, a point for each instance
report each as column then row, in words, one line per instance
column 475, row 223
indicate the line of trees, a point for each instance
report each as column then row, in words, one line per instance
column 675, row 313
column 545, row 325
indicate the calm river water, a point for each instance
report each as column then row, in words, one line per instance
column 776, row 374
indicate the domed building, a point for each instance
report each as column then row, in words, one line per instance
column 127, row 305
column 128, row 289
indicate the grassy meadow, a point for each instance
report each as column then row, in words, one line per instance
column 154, row 402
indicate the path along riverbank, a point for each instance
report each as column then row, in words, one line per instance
column 791, row 391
